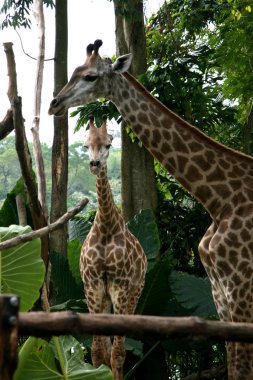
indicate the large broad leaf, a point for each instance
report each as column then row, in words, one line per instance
column 143, row 227
column 78, row 228
column 22, row 270
column 74, row 249
column 37, row 361
column 193, row 293
column 64, row 284
column 156, row 292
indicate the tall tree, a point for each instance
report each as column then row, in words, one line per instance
column 58, row 239
column 137, row 167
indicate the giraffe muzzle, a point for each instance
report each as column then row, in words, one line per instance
column 56, row 107
column 95, row 166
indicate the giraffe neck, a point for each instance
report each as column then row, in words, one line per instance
column 210, row 171
column 106, row 207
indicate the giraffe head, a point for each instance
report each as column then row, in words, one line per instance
column 98, row 143
column 90, row 81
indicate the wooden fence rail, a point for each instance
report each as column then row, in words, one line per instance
column 43, row 324
column 66, row 322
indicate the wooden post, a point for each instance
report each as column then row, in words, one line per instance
column 9, row 305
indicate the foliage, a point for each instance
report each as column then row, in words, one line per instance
column 64, row 284
column 61, row 358
column 97, row 109
column 182, row 222
column 143, row 227
column 18, row 12
column 204, row 63
column 22, row 270
column 187, row 64
column 193, row 293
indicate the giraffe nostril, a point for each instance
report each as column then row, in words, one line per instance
column 54, row 102
column 94, row 163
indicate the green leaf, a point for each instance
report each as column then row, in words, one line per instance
column 155, row 295
column 78, row 228
column 37, row 361
column 135, row 346
column 193, row 293
column 72, row 304
column 143, row 227
column 74, row 249
column 64, row 283
column 22, row 270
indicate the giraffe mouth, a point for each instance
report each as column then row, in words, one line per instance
column 95, row 169
column 58, row 113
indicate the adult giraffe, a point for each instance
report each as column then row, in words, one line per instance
column 219, row 177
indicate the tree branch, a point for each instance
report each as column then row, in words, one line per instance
column 6, row 125
column 45, row 230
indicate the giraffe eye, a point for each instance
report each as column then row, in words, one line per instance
column 90, row 78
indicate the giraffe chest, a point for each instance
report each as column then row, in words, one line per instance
column 110, row 258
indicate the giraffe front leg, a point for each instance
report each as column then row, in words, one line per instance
column 98, row 302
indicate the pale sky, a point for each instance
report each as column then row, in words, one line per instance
column 86, row 24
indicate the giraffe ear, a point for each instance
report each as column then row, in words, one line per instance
column 122, row 63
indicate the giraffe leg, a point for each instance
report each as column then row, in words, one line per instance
column 119, row 297
column 106, row 308
column 133, row 299
column 99, row 302
column 118, row 356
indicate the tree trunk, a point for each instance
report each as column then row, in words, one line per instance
column 137, row 165
column 58, row 239
column 23, row 150
column 39, row 163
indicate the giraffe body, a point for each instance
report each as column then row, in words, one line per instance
column 219, row 177
column 112, row 261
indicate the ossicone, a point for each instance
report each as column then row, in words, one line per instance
column 97, row 45
column 94, row 47
column 91, row 122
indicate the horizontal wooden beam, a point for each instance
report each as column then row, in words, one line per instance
column 65, row 323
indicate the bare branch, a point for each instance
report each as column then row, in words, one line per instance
column 11, row 69
column 28, row 55
column 6, row 125
column 45, row 230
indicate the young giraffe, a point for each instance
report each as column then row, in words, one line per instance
column 112, row 261
column 219, row 177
